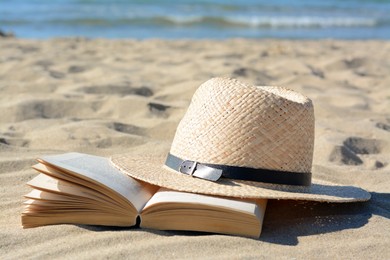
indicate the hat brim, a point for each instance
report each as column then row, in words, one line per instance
column 151, row 169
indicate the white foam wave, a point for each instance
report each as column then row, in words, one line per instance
column 275, row 21
column 305, row 21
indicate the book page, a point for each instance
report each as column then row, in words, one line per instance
column 58, row 174
column 49, row 196
column 99, row 170
column 169, row 196
column 174, row 210
column 51, row 184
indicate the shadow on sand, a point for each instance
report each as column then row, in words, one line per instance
column 287, row 220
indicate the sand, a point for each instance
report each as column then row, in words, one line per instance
column 112, row 96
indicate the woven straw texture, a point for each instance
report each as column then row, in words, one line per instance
column 235, row 124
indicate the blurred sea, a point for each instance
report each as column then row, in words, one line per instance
column 301, row 19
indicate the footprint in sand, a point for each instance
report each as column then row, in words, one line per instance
column 56, row 74
column 76, row 69
column 14, row 141
column 316, row 71
column 346, row 64
column 45, row 64
column 12, row 137
column 49, row 108
column 362, row 146
column 157, row 109
column 127, row 128
column 352, row 147
column 384, row 125
column 343, row 155
column 259, row 77
column 121, row 90
column 355, row 63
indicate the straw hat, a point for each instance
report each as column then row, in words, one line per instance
column 241, row 141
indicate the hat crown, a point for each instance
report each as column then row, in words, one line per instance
column 232, row 123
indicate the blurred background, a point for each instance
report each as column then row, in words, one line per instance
column 172, row 19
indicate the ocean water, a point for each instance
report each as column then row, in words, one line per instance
column 300, row 19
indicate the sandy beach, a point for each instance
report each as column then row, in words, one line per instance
column 106, row 97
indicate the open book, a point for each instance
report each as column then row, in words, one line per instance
column 76, row 188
